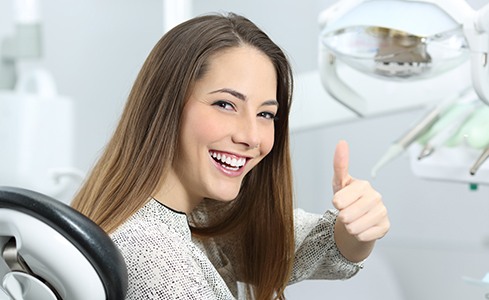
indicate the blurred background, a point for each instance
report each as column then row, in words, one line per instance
column 440, row 228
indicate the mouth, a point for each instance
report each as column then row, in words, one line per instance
column 228, row 161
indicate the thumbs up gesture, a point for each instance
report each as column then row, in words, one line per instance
column 362, row 217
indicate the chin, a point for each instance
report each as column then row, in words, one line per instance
column 224, row 191
column 226, row 197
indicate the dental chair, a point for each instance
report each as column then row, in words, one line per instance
column 50, row 251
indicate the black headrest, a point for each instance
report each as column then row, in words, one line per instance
column 83, row 233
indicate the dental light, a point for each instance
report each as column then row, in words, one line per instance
column 401, row 41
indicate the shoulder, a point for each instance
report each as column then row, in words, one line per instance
column 302, row 217
column 137, row 232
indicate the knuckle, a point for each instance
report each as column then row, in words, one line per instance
column 336, row 203
column 376, row 199
column 368, row 185
column 343, row 217
column 351, row 230
column 364, row 184
column 339, row 202
column 383, row 211
column 387, row 224
column 362, row 237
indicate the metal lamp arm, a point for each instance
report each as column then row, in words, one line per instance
column 338, row 88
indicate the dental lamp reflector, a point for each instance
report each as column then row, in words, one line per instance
column 401, row 41
column 397, row 55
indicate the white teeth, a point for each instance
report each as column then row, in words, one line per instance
column 235, row 162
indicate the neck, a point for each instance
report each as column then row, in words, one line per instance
column 172, row 194
column 174, row 204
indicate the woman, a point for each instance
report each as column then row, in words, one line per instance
column 203, row 140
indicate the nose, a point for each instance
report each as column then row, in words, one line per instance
column 247, row 133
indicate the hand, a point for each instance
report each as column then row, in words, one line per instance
column 360, row 207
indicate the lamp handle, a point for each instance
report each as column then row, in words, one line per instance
column 479, row 45
column 482, row 19
column 336, row 87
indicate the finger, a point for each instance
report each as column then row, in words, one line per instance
column 366, row 202
column 373, row 218
column 374, row 233
column 340, row 166
column 355, row 190
column 360, row 207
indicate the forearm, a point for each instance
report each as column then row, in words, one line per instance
column 349, row 246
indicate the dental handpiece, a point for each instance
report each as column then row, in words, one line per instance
column 414, row 133
column 467, row 96
column 417, row 130
column 479, row 161
column 454, row 124
column 407, row 139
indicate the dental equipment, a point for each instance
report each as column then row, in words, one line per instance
column 479, row 161
column 420, row 128
column 459, row 159
column 398, row 147
column 37, row 124
column 25, row 44
column 393, row 47
column 474, row 133
column 478, row 137
column 447, row 126
column 484, row 282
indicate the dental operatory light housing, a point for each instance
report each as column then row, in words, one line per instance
column 401, row 41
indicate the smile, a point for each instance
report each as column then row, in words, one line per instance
column 228, row 161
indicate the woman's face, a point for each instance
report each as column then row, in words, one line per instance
column 227, row 124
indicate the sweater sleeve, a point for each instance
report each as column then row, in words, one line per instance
column 317, row 256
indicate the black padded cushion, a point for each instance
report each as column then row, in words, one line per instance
column 82, row 232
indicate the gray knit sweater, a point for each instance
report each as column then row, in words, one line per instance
column 164, row 262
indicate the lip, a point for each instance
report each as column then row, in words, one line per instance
column 228, row 172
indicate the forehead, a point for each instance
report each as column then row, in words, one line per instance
column 239, row 50
column 243, row 66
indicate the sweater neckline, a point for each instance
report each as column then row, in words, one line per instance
column 176, row 221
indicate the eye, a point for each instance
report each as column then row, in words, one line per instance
column 268, row 115
column 224, row 105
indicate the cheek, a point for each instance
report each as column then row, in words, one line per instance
column 267, row 141
column 208, row 131
column 202, row 129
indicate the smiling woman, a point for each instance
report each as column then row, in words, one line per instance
column 195, row 185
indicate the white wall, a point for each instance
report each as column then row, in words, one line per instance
column 94, row 50
column 439, row 229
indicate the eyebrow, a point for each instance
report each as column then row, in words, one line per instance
column 242, row 97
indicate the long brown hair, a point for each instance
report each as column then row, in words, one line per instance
column 145, row 143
